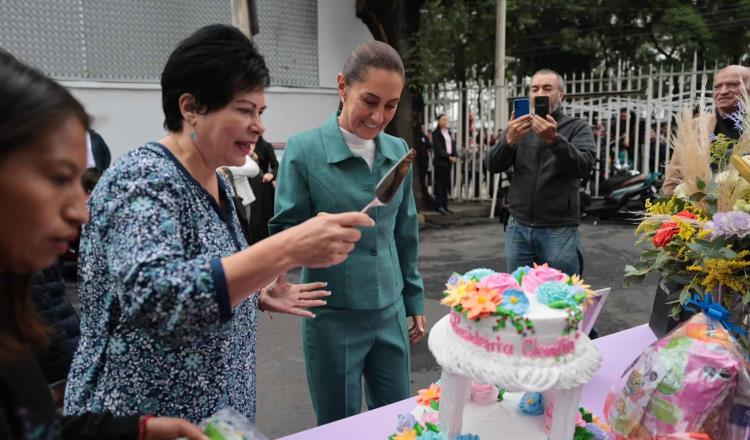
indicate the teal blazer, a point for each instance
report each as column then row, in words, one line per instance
column 319, row 173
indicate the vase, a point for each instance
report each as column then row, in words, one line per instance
column 661, row 322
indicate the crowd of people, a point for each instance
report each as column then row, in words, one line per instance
column 186, row 240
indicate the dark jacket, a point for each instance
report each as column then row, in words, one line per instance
column 546, row 178
column 441, row 158
column 100, row 151
column 48, row 294
column 27, row 410
column 261, row 210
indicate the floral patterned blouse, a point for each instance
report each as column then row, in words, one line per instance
column 158, row 335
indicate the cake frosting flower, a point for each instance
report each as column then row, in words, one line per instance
column 483, row 393
column 453, row 280
column 540, row 275
column 429, row 396
column 515, row 301
column 478, row 274
column 455, row 294
column 520, row 272
column 430, row 417
column 408, row 434
column 480, row 303
column 405, row 422
column 499, row 282
column 531, row 404
column 559, row 295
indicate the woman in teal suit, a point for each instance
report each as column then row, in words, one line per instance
column 335, row 168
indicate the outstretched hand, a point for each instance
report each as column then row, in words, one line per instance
column 293, row 299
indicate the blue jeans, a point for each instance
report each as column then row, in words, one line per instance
column 560, row 247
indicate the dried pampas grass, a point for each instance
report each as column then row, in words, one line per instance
column 692, row 156
column 691, row 145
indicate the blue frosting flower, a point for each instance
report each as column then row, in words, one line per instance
column 468, row 437
column 520, row 272
column 531, row 404
column 556, row 294
column 515, row 301
column 477, row 274
column 453, row 280
column 405, row 421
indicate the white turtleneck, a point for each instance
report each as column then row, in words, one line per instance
column 364, row 148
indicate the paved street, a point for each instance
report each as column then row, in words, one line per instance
column 283, row 402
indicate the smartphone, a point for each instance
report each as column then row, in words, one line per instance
column 520, row 107
column 541, row 106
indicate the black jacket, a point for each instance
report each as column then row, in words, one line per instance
column 27, row 410
column 48, row 294
column 546, row 178
column 261, row 210
column 441, row 156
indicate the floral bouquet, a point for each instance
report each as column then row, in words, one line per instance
column 700, row 237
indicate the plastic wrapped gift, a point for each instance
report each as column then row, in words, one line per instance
column 228, row 424
column 683, row 385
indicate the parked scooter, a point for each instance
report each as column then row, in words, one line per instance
column 623, row 195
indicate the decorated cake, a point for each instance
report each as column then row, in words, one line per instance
column 517, row 332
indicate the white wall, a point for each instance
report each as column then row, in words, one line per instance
column 339, row 33
column 128, row 115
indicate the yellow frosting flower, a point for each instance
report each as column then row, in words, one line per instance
column 456, row 294
column 408, row 434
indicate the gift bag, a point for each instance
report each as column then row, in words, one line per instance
column 683, row 384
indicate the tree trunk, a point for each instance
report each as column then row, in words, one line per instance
column 395, row 22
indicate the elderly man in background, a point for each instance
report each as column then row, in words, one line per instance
column 729, row 83
column 549, row 155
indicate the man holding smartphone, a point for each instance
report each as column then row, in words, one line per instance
column 550, row 153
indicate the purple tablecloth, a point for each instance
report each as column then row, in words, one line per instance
column 618, row 351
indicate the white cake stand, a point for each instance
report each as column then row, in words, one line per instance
column 560, row 379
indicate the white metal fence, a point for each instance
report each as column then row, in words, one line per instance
column 631, row 115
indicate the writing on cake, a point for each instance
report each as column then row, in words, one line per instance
column 530, row 346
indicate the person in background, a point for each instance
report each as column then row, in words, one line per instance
column 424, row 146
column 362, row 332
column 549, row 157
column 99, row 156
column 444, row 156
column 168, row 285
column 263, row 185
column 729, row 84
column 42, row 159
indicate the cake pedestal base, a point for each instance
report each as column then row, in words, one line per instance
column 564, row 413
column 454, row 392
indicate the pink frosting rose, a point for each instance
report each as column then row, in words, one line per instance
column 483, row 394
column 540, row 275
column 500, row 282
column 430, row 417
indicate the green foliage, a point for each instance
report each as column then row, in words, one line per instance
column 456, row 38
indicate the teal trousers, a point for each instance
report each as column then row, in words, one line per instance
column 342, row 346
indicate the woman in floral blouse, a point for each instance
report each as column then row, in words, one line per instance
column 169, row 313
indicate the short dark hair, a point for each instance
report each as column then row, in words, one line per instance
column 440, row 116
column 213, row 64
column 372, row 54
column 31, row 105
